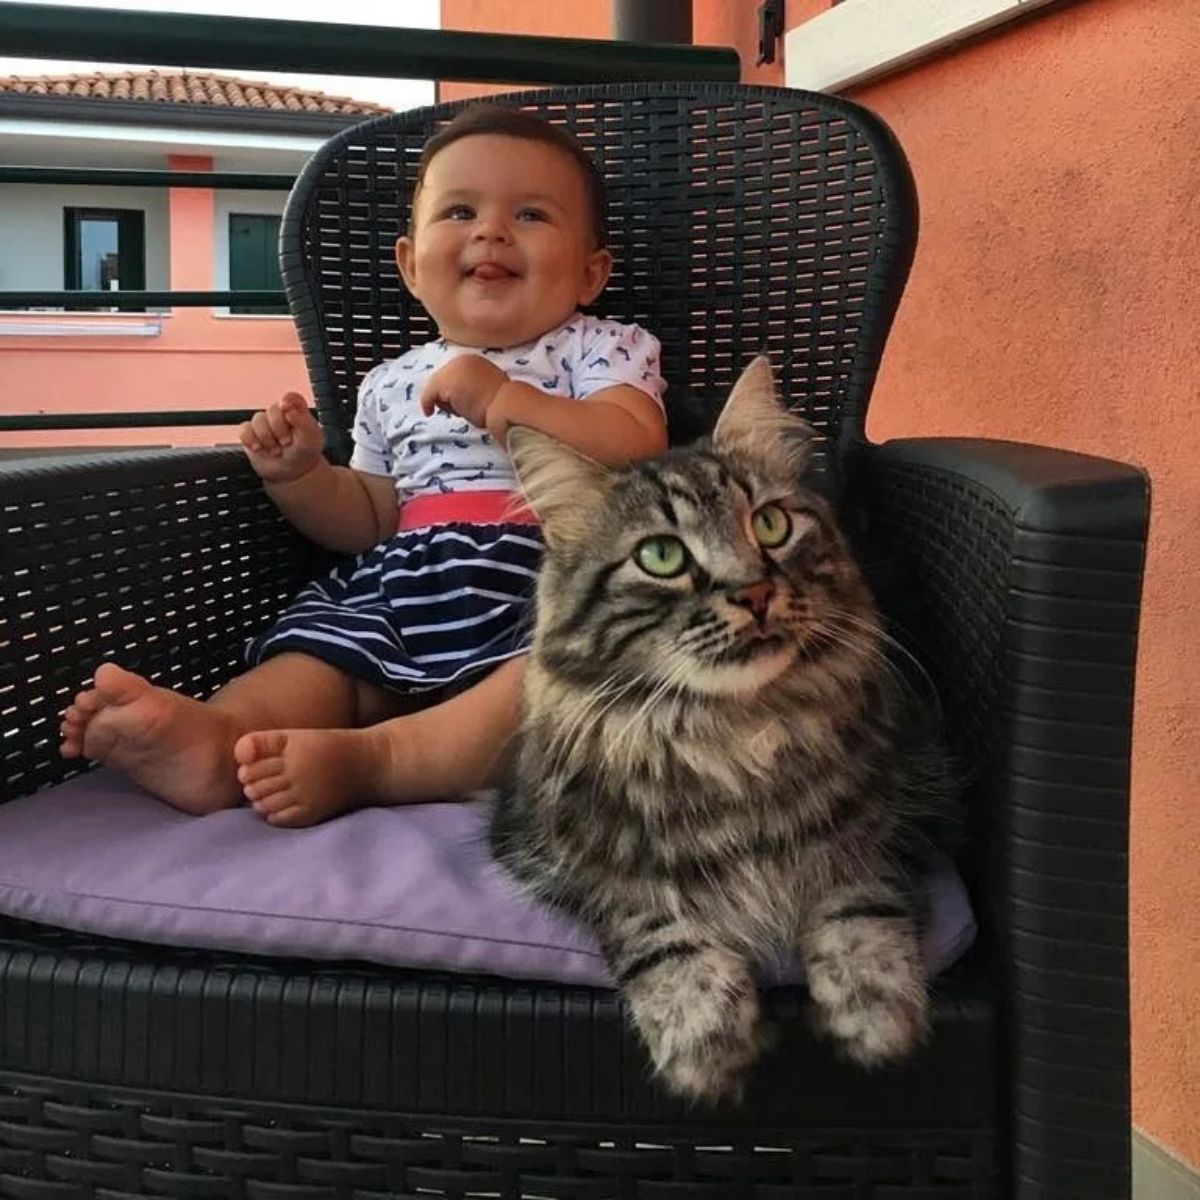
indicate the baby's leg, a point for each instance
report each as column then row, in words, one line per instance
column 182, row 749
column 302, row 776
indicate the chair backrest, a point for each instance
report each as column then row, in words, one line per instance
column 742, row 219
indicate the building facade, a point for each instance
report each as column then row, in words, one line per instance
column 56, row 236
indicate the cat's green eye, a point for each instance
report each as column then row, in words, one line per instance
column 663, row 557
column 771, row 525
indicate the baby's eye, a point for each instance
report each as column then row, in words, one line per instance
column 664, row 557
column 458, row 212
column 771, row 525
column 532, row 214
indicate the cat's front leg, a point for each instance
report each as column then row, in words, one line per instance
column 694, row 1003
column 862, row 956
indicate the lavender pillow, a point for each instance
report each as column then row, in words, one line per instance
column 410, row 886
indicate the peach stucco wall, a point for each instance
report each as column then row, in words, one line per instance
column 534, row 17
column 1053, row 300
column 199, row 361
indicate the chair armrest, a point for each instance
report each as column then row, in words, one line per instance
column 164, row 561
column 1017, row 570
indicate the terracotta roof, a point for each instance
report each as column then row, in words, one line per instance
column 186, row 87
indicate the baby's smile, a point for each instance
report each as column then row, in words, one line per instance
column 490, row 272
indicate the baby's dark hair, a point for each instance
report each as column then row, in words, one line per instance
column 483, row 119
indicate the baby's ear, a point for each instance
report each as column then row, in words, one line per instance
column 560, row 485
column 755, row 422
column 406, row 262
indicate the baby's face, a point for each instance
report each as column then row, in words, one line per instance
column 501, row 250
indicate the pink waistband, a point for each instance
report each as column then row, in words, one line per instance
column 471, row 508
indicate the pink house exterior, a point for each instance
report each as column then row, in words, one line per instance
column 182, row 358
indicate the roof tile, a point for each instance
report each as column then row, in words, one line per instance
column 186, row 87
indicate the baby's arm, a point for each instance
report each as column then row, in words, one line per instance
column 614, row 425
column 341, row 509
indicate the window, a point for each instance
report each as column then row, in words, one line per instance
column 105, row 249
column 254, row 257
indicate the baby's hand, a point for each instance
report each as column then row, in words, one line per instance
column 283, row 441
column 465, row 386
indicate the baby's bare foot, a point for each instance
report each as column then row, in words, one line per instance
column 175, row 747
column 296, row 777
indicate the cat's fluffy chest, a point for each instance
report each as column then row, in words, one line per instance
column 683, row 743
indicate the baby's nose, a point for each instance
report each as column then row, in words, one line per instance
column 492, row 231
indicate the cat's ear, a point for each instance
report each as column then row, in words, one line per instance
column 560, row 485
column 755, row 422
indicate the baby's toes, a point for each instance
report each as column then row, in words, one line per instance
column 260, row 770
column 291, row 815
column 269, row 791
column 251, row 748
column 73, row 720
column 86, row 704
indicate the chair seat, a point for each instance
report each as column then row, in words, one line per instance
column 293, row 1032
column 407, row 886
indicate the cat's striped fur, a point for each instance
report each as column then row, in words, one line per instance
column 709, row 769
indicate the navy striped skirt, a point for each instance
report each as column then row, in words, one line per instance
column 423, row 610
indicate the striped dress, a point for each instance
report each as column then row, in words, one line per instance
column 444, row 600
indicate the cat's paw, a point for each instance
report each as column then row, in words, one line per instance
column 700, row 1022
column 874, row 1031
column 871, row 1001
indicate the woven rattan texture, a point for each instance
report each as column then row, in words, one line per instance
column 1028, row 622
column 71, row 1142
column 164, row 561
column 741, row 221
column 143, row 1016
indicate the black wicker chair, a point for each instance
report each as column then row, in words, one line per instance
column 743, row 219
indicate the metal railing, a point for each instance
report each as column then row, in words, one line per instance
column 126, row 298
column 120, row 177
column 318, row 47
column 244, row 43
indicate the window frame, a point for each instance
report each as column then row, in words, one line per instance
column 131, row 245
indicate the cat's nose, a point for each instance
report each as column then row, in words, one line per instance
column 755, row 596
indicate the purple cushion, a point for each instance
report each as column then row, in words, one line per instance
column 410, row 886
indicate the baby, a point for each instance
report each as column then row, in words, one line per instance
column 397, row 677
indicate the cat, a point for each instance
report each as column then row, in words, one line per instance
column 710, row 768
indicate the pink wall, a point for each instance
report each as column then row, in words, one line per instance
column 566, row 19
column 199, row 361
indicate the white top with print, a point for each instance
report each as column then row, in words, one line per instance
column 443, row 452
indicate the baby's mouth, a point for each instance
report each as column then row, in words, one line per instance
column 489, row 272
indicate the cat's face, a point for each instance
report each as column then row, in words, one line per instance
column 710, row 569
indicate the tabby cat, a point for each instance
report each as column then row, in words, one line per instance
column 710, row 768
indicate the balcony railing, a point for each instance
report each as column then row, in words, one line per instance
column 242, row 43
column 252, row 43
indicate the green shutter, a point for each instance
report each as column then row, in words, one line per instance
column 253, row 256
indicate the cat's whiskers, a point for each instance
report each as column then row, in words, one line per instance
column 900, row 678
column 595, row 706
column 863, row 655
column 671, row 680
